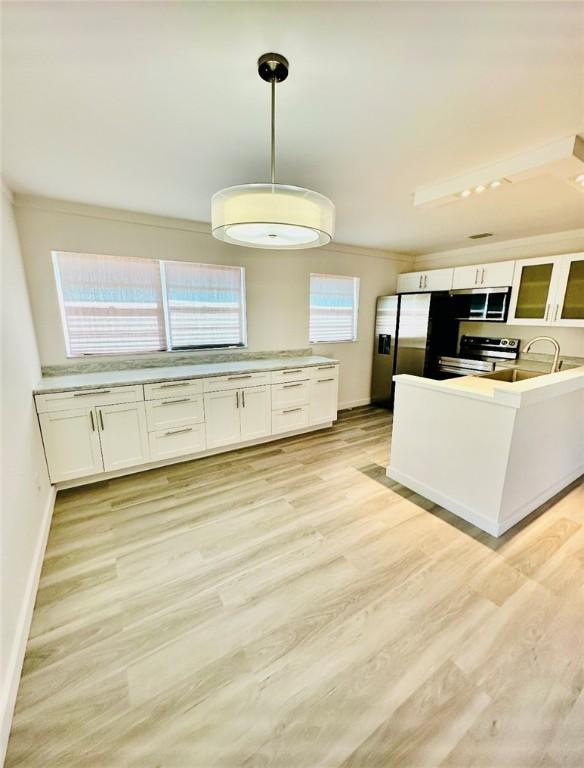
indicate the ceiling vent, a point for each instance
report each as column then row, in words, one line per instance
column 480, row 235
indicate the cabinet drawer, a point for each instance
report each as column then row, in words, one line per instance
column 289, row 394
column 291, row 374
column 166, row 444
column 174, row 412
column 88, row 398
column 236, row 381
column 324, row 372
column 166, row 389
column 289, row 419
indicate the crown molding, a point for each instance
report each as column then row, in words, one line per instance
column 70, row 208
column 522, row 247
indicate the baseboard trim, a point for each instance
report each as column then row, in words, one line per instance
column 493, row 527
column 354, row 403
column 484, row 523
column 541, row 498
column 16, row 659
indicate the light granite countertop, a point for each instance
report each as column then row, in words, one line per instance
column 50, row 384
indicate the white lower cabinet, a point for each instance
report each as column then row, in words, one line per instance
column 71, row 443
column 109, row 430
column 181, row 441
column 255, row 412
column 222, row 418
column 123, row 435
column 323, row 399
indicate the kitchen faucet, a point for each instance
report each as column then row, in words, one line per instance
column 556, row 346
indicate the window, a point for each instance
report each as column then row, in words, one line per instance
column 334, row 301
column 120, row 305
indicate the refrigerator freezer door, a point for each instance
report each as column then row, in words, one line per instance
column 383, row 349
column 413, row 333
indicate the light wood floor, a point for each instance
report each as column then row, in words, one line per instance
column 287, row 605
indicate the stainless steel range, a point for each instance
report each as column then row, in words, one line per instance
column 478, row 354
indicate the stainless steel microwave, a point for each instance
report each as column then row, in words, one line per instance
column 491, row 304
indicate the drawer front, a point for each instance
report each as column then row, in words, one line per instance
column 164, row 390
column 236, row 381
column 167, row 444
column 289, row 419
column 289, row 394
column 324, row 372
column 174, row 412
column 88, row 398
column 292, row 374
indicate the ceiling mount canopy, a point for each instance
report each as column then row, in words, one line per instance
column 271, row 215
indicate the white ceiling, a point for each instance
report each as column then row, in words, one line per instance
column 154, row 106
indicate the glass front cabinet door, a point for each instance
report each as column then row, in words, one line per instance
column 569, row 307
column 548, row 291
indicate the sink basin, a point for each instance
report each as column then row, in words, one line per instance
column 513, row 374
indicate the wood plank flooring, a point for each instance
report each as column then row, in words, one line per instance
column 287, row 605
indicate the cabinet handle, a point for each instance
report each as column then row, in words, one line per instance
column 325, row 367
column 289, row 386
column 172, row 402
column 101, row 419
column 175, row 384
column 92, row 421
column 556, row 312
column 425, row 281
column 93, row 392
column 178, row 431
column 291, row 410
column 420, row 282
column 242, row 398
column 237, row 399
column 320, row 381
column 476, row 277
column 547, row 312
column 242, row 376
column 482, row 276
column 292, row 370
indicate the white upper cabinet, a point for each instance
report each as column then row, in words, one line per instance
column 255, row 412
column 432, row 280
column 71, row 443
column 548, row 291
column 496, row 275
column 123, row 435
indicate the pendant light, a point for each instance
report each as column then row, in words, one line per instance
column 275, row 216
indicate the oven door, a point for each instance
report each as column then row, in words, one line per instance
column 482, row 304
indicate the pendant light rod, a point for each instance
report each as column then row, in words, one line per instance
column 273, row 131
column 273, row 68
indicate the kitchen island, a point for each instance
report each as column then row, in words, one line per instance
column 490, row 451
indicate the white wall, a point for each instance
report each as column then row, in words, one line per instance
column 571, row 340
column 277, row 283
column 26, row 496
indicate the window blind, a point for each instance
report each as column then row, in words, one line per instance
column 206, row 306
column 110, row 304
column 333, row 308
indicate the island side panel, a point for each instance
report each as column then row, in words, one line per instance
column 452, row 449
column 547, row 453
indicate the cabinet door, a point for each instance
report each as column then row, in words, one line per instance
column 467, row 277
column 323, row 400
column 438, row 279
column 255, row 412
column 499, row 274
column 495, row 275
column 71, row 443
column 569, row 301
column 123, row 435
column 410, row 282
column 222, row 418
column 534, row 285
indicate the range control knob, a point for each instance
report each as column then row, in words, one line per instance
column 504, row 342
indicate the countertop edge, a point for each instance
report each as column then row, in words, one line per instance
column 137, row 376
